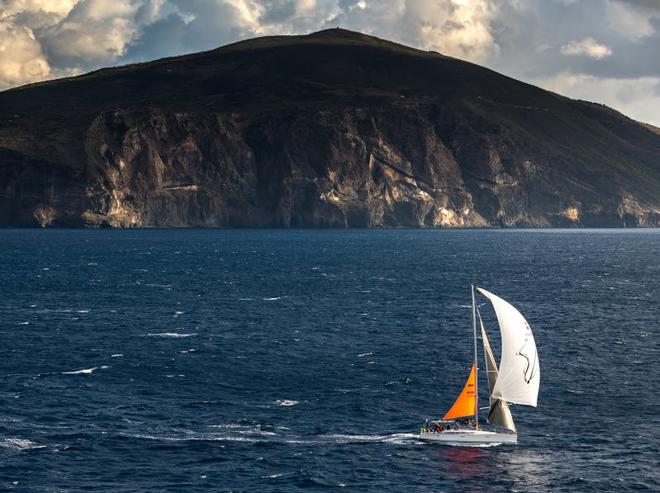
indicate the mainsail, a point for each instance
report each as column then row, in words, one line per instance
column 499, row 413
column 466, row 402
column 519, row 372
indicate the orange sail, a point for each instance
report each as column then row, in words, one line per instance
column 466, row 403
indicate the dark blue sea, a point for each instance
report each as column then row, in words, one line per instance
column 260, row 360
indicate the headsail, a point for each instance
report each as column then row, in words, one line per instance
column 499, row 413
column 466, row 402
column 519, row 372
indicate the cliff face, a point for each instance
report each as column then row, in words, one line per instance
column 318, row 168
column 334, row 129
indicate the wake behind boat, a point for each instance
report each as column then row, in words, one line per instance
column 516, row 381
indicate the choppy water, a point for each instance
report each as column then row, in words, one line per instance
column 288, row 360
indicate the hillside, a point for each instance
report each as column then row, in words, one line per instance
column 332, row 129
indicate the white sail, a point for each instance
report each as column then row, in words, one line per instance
column 519, row 372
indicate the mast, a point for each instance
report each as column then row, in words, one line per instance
column 476, row 379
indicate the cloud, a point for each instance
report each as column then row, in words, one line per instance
column 94, row 31
column 588, row 47
column 631, row 22
column 21, row 57
column 459, row 28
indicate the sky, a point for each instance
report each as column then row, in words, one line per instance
column 607, row 51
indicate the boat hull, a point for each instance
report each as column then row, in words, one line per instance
column 468, row 437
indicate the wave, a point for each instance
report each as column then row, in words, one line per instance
column 285, row 402
column 85, row 371
column 171, row 334
column 19, row 444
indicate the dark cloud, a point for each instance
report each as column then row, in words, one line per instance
column 165, row 37
column 278, row 11
column 648, row 4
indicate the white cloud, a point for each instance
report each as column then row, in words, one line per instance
column 94, row 31
column 587, row 47
column 21, row 58
column 59, row 8
column 459, row 28
column 247, row 13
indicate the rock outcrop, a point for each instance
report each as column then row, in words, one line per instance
column 334, row 129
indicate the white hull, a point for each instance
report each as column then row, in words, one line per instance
column 468, row 437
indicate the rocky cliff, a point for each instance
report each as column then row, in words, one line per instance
column 334, row 129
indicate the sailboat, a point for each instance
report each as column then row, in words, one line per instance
column 516, row 381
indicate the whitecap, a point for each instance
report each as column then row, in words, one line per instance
column 84, row 310
column 275, row 298
column 364, row 354
column 172, row 334
column 285, row 402
column 252, row 430
column 85, row 371
column 117, row 355
column 23, row 323
column 19, row 444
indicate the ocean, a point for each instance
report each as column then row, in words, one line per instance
column 291, row 360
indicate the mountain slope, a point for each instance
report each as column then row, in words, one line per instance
column 333, row 129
